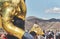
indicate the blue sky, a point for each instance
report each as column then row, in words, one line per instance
column 45, row 9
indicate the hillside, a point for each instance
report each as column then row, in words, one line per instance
column 52, row 24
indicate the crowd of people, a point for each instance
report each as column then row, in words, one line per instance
column 47, row 35
column 52, row 35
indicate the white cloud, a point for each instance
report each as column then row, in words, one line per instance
column 45, row 18
column 53, row 10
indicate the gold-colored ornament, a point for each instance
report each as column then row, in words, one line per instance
column 9, row 9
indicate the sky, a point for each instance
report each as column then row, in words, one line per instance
column 45, row 9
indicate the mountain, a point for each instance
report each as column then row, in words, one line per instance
column 52, row 23
column 54, row 20
column 32, row 18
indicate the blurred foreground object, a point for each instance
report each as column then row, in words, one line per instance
column 10, row 9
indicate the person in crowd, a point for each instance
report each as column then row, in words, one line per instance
column 34, row 34
column 3, row 36
column 50, row 35
column 58, row 35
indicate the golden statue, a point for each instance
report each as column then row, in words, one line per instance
column 10, row 9
column 37, row 29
